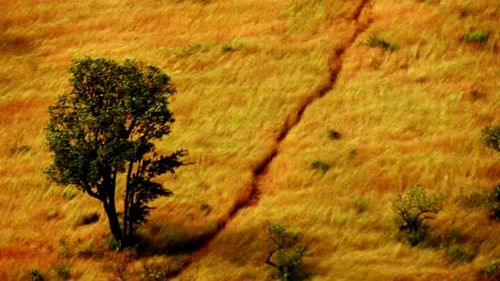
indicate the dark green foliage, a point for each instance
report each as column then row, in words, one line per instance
column 63, row 271
column 105, row 126
column 492, row 271
column 378, row 42
column 19, row 149
column 361, row 204
column 494, row 199
column 476, row 36
column 334, row 135
column 320, row 165
column 413, row 209
column 491, row 136
column 473, row 200
column 69, row 193
column 286, row 254
column 35, row 275
column 460, row 254
column 232, row 46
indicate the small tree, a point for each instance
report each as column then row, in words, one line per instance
column 414, row 208
column 286, row 255
column 491, row 137
column 105, row 127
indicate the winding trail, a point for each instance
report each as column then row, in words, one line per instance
column 335, row 62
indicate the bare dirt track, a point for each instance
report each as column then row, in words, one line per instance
column 361, row 19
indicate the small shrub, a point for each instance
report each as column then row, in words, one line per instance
column 35, row 275
column 160, row 268
column 206, row 208
column 494, row 199
column 460, row 254
column 63, row 271
column 377, row 42
column 320, row 165
column 413, row 209
column 69, row 193
column 232, row 46
column 334, row 135
column 287, row 253
column 19, row 149
column 491, row 136
column 361, row 204
column 191, row 49
column 492, row 271
column 114, row 244
column 51, row 214
column 473, row 200
column 476, row 36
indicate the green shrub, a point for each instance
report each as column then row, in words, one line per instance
column 361, row 204
column 320, row 165
column 473, row 200
column 413, row 209
column 35, row 275
column 476, row 36
column 378, row 42
column 492, row 271
column 286, row 254
column 19, row 149
column 63, row 270
column 494, row 199
column 491, row 136
column 334, row 135
column 460, row 254
column 69, row 193
column 232, row 46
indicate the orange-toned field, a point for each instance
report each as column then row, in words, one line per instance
column 259, row 86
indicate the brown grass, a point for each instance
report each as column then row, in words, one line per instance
column 243, row 69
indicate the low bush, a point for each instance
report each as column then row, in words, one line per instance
column 491, row 136
column 492, row 271
column 458, row 253
column 494, row 199
column 361, row 204
column 19, row 149
column 35, row 275
column 63, row 271
column 378, row 42
column 476, row 36
column 286, row 254
column 473, row 200
column 334, row 135
column 413, row 210
column 320, row 165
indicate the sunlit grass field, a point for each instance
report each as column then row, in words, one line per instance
column 408, row 114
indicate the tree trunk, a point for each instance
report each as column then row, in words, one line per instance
column 114, row 224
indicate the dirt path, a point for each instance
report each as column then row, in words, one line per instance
column 335, row 62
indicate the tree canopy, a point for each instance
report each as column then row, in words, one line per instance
column 106, row 126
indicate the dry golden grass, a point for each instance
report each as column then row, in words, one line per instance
column 243, row 69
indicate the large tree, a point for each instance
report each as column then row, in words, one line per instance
column 106, row 127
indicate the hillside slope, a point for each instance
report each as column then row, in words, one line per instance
column 260, row 84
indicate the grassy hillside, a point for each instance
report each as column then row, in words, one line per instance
column 260, row 86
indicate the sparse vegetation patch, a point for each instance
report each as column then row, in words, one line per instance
column 286, row 253
column 413, row 210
